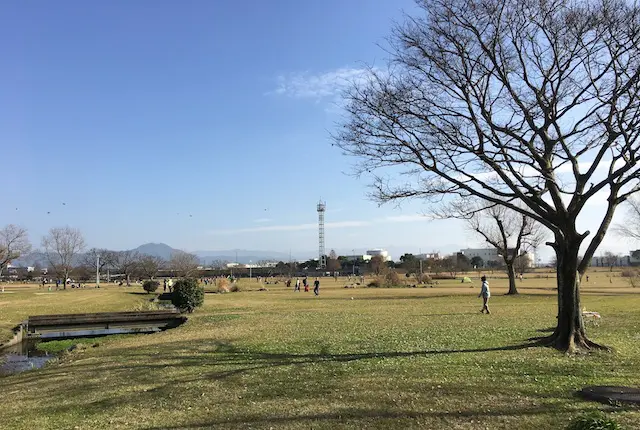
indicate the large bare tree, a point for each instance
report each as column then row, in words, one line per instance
column 61, row 247
column 184, row 264
column 14, row 243
column 126, row 263
column 630, row 228
column 529, row 104
column 510, row 233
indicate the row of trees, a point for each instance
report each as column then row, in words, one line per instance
column 64, row 248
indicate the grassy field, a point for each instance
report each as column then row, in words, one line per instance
column 350, row 358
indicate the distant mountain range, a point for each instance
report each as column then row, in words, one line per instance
column 241, row 256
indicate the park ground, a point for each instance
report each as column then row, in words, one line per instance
column 350, row 358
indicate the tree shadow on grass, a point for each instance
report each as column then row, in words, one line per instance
column 353, row 414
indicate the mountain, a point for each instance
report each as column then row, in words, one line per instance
column 161, row 250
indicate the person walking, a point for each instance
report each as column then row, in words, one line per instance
column 297, row 287
column 316, row 286
column 485, row 294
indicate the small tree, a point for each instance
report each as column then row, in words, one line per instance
column 14, row 243
column 377, row 264
column 150, row 286
column 510, row 233
column 477, row 262
column 610, row 260
column 61, row 246
column 187, row 295
column 107, row 258
column 333, row 264
column 149, row 265
column 127, row 262
column 185, row 265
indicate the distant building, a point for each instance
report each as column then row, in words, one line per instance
column 615, row 261
column 358, row 258
column 492, row 254
column 379, row 252
column 429, row 256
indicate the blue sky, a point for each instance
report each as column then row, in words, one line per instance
column 201, row 124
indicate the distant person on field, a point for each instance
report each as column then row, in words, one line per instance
column 165, row 285
column 297, row 287
column 485, row 294
column 316, row 287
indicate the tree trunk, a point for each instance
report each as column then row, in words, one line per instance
column 512, row 278
column 569, row 335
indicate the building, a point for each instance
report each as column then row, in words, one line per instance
column 358, row 258
column 486, row 254
column 429, row 256
column 492, row 254
column 379, row 252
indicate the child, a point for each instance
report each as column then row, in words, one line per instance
column 316, row 287
column 485, row 294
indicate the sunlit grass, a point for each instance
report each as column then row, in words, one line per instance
column 356, row 358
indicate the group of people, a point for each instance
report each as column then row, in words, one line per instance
column 305, row 284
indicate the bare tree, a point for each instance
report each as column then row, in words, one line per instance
column 630, row 228
column 150, row 265
column 510, row 233
column 14, row 243
column 333, row 264
column 378, row 265
column 610, row 259
column 184, row 264
column 126, row 263
column 107, row 258
column 61, row 247
column 527, row 104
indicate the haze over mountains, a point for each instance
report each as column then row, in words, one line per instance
column 242, row 256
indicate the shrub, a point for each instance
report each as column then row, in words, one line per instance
column 150, row 286
column 235, row 288
column 629, row 273
column 187, row 295
column 423, row 278
column 223, row 285
column 392, row 279
column 375, row 283
column 594, row 421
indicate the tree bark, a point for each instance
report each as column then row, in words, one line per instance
column 569, row 335
column 512, row 278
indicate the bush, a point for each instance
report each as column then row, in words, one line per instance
column 375, row 283
column 594, row 421
column 150, row 286
column 423, row 278
column 392, row 279
column 223, row 285
column 235, row 288
column 629, row 273
column 187, row 295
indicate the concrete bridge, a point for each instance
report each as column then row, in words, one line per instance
column 99, row 324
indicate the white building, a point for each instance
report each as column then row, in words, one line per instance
column 487, row 254
column 364, row 258
column 379, row 252
column 492, row 254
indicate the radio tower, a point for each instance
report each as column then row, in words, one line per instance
column 322, row 255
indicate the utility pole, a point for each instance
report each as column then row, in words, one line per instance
column 249, row 269
column 420, row 256
column 98, row 271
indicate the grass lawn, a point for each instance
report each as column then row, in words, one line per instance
column 350, row 358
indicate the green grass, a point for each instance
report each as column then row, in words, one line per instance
column 351, row 358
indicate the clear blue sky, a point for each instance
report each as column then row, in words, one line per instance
column 201, row 124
